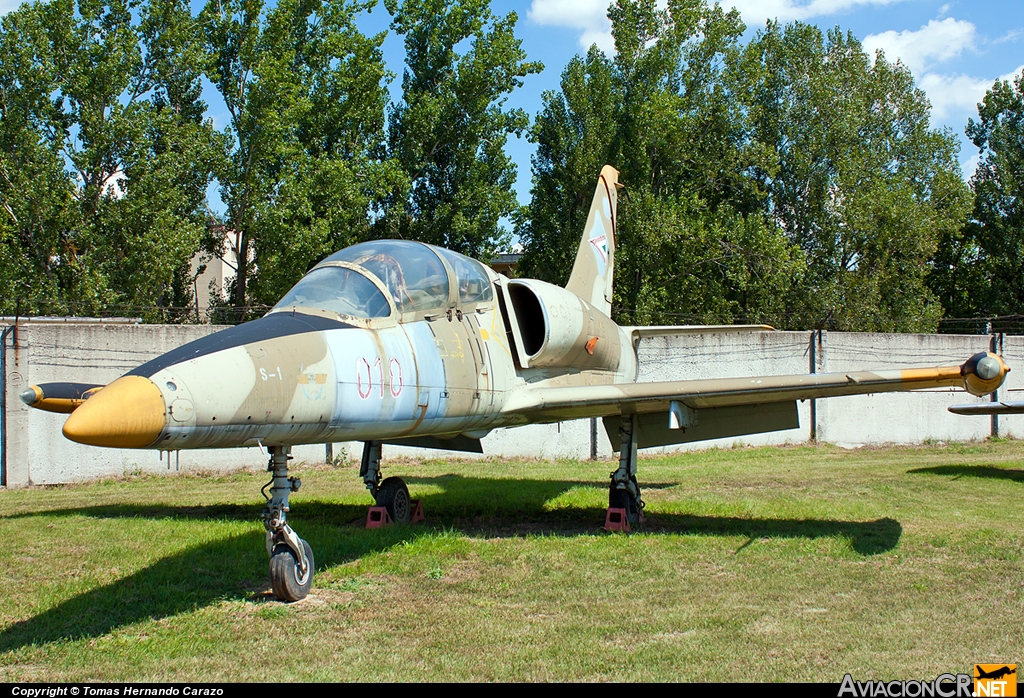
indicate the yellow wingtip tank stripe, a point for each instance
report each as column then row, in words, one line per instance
column 968, row 376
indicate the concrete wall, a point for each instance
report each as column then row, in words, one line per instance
column 39, row 352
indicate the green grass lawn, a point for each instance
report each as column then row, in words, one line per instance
column 755, row 564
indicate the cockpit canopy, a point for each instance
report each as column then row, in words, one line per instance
column 413, row 273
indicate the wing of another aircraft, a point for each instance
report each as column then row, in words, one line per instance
column 1001, row 407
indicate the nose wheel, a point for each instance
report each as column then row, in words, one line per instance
column 291, row 558
column 287, row 577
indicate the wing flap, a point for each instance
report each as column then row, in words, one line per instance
column 652, row 428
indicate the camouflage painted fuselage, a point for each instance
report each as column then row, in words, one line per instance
column 296, row 378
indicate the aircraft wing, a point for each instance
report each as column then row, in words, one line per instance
column 980, row 375
column 1001, row 407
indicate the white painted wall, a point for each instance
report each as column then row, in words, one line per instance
column 37, row 453
column 897, row 418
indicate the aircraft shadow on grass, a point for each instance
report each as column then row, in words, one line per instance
column 234, row 567
column 986, row 471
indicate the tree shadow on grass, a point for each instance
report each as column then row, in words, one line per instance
column 235, row 567
column 986, row 471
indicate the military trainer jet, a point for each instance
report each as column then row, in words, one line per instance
column 400, row 342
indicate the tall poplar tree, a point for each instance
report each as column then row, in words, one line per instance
column 305, row 94
column 450, row 129
column 104, row 154
column 860, row 181
column 980, row 271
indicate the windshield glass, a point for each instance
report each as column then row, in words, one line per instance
column 338, row 290
column 410, row 270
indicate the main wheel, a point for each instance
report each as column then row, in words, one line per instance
column 393, row 495
column 622, row 499
column 285, row 576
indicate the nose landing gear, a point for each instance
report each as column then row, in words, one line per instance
column 291, row 558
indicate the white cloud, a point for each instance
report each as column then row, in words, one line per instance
column 590, row 17
column 968, row 166
column 955, row 98
column 1011, row 35
column 756, row 12
column 1012, row 75
column 937, row 41
column 953, row 95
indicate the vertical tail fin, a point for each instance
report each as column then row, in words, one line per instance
column 591, row 277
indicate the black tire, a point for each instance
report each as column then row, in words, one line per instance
column 622, row 499
column 288, row 582
column 393, row 495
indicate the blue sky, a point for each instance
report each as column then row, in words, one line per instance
column 956, row 50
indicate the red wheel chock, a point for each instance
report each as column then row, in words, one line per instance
column 616, row 520
column 378, row 517
column 417, row 511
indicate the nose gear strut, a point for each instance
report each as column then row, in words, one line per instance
column 291, row 558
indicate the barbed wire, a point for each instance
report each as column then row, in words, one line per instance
column 231, row 315
column 150, row 314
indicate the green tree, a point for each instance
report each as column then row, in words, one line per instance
column 450, row 129
column 574, row 134
column 693, row 243
column 859, row 180
column 104, row 156
column 981, row 272
column 306, row 174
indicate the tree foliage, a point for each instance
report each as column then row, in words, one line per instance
column 861, row 182
column 981, row 271
column 792, row 180
column 306, row 173
column 574, row 135
column 104, row 154
column 450, row 129
column 692, row 242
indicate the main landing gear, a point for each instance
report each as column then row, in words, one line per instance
column 625, row 507
column 392, row 493
column 291, row 558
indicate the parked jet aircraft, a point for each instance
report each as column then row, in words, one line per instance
column 404, row 343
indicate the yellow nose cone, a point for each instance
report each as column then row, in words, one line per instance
column 128, row 413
